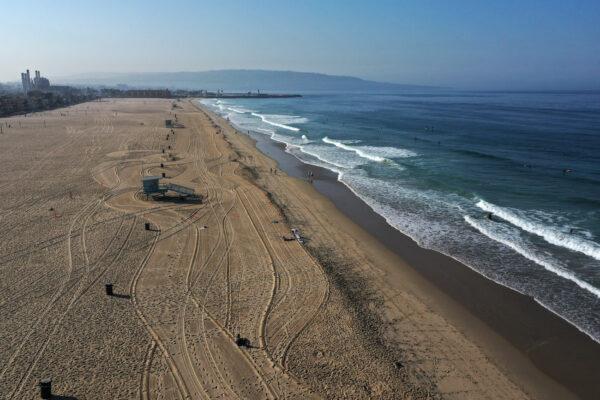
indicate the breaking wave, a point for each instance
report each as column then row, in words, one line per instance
column 549, row 234
column 532, row 255
column 373, row 153
column 281, row 121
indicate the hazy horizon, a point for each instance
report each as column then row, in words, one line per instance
column 509, row 46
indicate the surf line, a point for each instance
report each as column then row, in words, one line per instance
column 550, row 235
column 267, row 121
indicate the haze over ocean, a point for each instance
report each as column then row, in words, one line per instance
column 436, row 163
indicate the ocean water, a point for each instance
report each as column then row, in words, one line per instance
column 435, row 164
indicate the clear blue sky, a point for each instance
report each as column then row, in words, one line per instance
column 526, row 44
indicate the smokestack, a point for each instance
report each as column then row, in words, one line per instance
column 25, row 82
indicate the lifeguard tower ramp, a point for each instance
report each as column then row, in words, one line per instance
column 180, row 189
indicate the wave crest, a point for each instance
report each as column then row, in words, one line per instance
column 281, row 121
column 531, row 255
column 373, row 153
column 549, row 234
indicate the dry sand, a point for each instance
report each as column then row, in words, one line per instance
column 337, row 317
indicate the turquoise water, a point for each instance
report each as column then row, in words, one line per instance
column 437, row 165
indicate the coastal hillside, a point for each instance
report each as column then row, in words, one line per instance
column 237, row 80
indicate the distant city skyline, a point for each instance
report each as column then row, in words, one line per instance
column 467, row 45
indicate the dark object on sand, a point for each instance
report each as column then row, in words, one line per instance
column 163, row 175
column 46, row 388
column 109, row 289
column 162, row 165
column 297, row 236
column 242, row 342
column 147, row 226
column 288, row 239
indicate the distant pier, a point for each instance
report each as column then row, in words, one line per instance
column 249, row 95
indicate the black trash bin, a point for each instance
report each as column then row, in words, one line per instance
column 46, row 388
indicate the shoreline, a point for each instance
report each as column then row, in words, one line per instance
column 540, row 341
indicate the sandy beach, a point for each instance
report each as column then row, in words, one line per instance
column 355, row 311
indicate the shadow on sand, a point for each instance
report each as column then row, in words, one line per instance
column 178, row 199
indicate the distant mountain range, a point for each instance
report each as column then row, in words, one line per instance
column 236, row 80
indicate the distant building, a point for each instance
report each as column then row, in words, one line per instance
column 26, row 81
column 148, row 93
column 38, row 83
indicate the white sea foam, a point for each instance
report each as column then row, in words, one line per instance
column 325, row 163
column 332, row 155
column 282, row 138
column 268, row 131
column 551, row 235
column 538, row 258
column 353, row 149
column 372, row 153
column 238, row 110
column 281, row 121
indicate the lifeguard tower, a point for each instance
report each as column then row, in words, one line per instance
column 151, row 186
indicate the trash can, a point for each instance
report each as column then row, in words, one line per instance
column 46, row 388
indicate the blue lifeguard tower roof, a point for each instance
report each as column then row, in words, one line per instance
column 150, row 184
